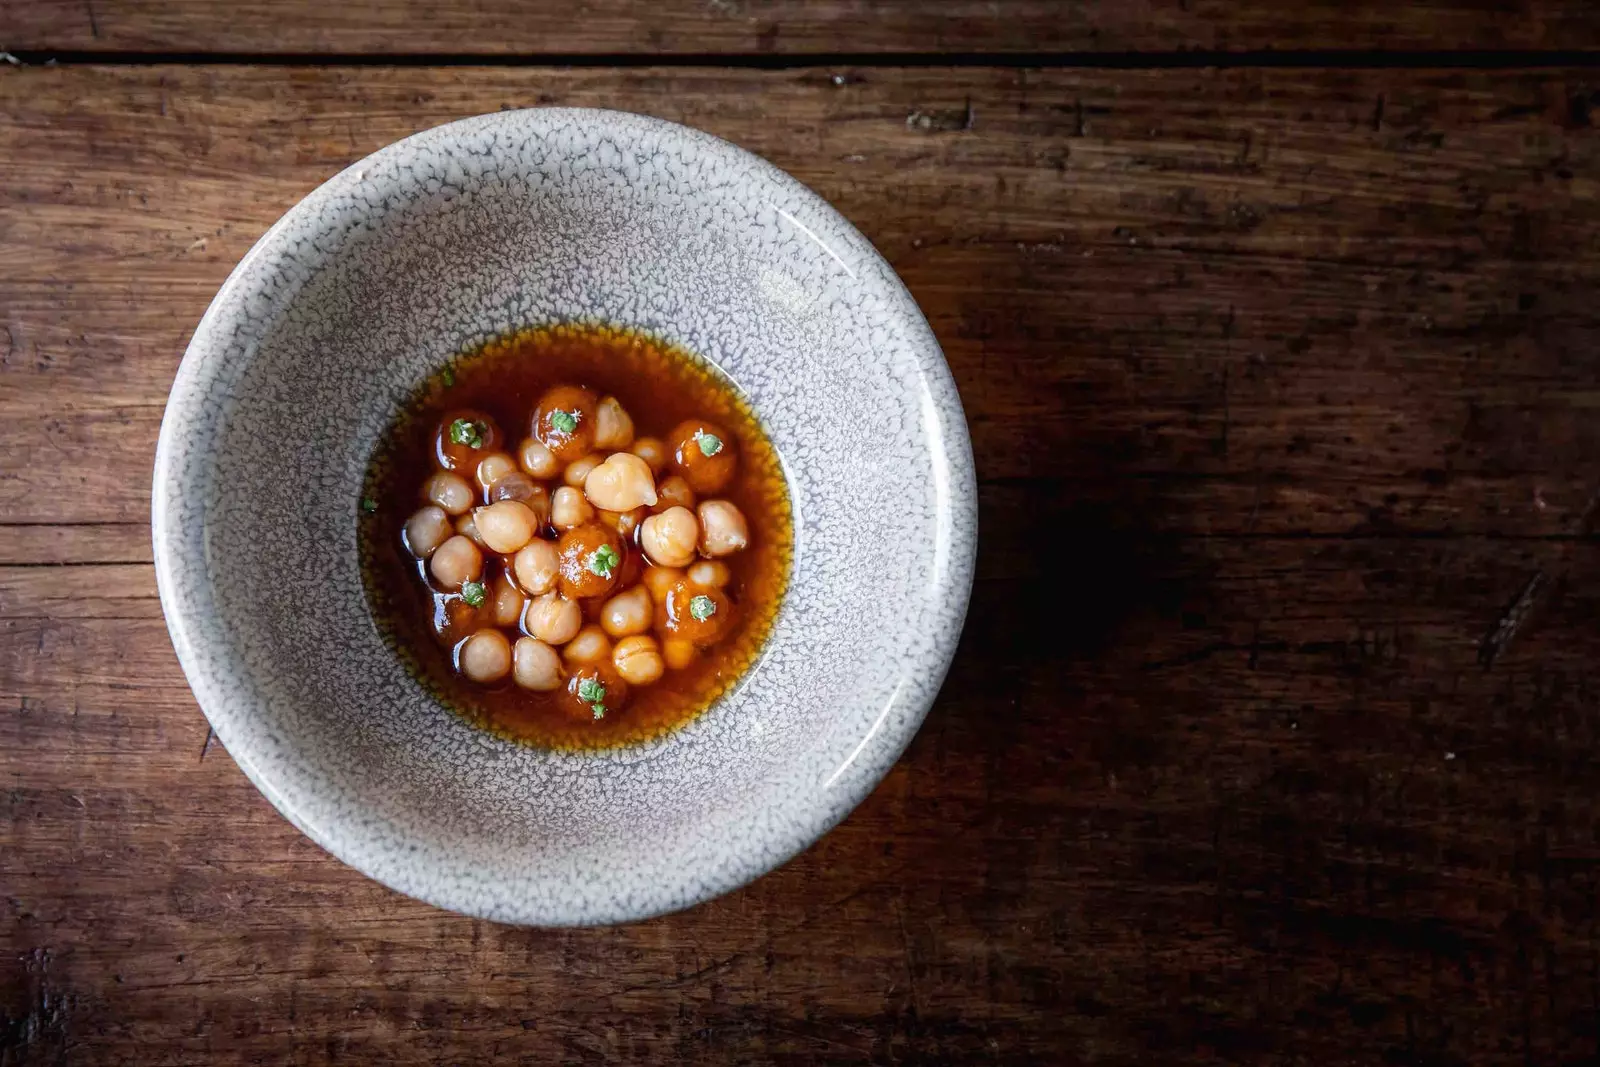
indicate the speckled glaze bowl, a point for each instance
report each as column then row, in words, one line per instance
column 442, row 241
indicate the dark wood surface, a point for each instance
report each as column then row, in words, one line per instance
column 1284, row 385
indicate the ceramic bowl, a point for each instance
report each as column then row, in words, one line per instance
column 465, row 232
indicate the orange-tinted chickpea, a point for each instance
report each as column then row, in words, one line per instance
column 703, row 453
column 464, row 438
column 564, row 422
column 590, row 558
column 594, row 691
column 697, row 613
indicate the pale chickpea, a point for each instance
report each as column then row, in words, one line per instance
column 589, row 647
column 493, row 467
column 485, row 656
column 678, row 652
column 660, row 579
column 467, row 527
column 535, row 665
column 613, row 428
column 508, row 602
column 723, row 530
column 638, row 660
column 674, row 492
column 536, row 566
column 710, row 572
column 669, row 538
column 569, row 509
column 456, row 562
column 553, row 619
column 427, row 530
column 538, row 460
column 624, row 522
column 623, row 482
column 577, row 471
column 449, row 491
column 627, row 613
column 653, row 451
column 506, row 526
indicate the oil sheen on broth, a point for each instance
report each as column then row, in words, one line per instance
column 529, row 610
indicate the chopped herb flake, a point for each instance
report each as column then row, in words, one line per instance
column 474, row 593
column 368, row 505
column 448, row 377
column 592, row 691
column 599, row 711
column 702, row 608
column 466, row 432
column 604, row 561
column 564, row 421
column 710, row 444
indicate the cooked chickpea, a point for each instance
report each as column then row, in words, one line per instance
column 493, row 467
column 627, row 613
column 638, row 660
column 652, row 451
column 613, row 428
column 674, row 492
column 703, row 453
column 553, row 619
column 536, row 567
column 590, row 646
column 535, row 665
column 590, row 558
column 678, row 652
column 450, row 491
column 506, row 526
column 427, row 530
column 624, row 522
column 485, row 656
column 568, row 508
column 709, row 572
column 564, row 422
column 669, row 538
column 519, row 486
column 723, row 530
column 599, row 681
column 467, row 527
column 464, row 437
column 623, row 482
column 698, row 613
column 538, row 460
column 508, row 602
column 456, row 562
column 577, row 472
column 659, row 579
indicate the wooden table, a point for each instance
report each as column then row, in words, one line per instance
column 1272, row 738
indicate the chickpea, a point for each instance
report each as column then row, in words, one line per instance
column 507, row 526
column 456, row 562
column 652, row 451
column 590, row 559
column 564, row 422
column 710, row 572
column 627, row 613
column 678, row 652
column 553, row 619
column 519, row 486
column 589, row 647
column 464, row 437
column 427, row 530
column 674, row 492
column 536, row 567
column 703, row 453
column 623, row 482
column 492, row 468
column 508, row 602
column 538, row 460
column 723, row 530
column 669, row 538
column 568, row 508
column 450, row 491
column 613, row 428
column 598, row 680
column 638, row 660
column 624, row 522
column 577, row 472
column 659, row 579
column 697, row 613
column 467, row 527
column 485, row 656
column 535, row 665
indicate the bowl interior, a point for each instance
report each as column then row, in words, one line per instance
column 438, row 243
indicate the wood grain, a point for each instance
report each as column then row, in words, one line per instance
column 1281, row 385
column 789, row 27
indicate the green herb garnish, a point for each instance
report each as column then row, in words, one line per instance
column 466, row 432
column 447, row 376
column 474, row 593
column 368, row 505
column 591, row 691
column 599, row 711
column 564, row 421
column 702, row 608
column 604, row 561
column 710, row 444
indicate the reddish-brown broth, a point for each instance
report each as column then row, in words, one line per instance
column 659, row 385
